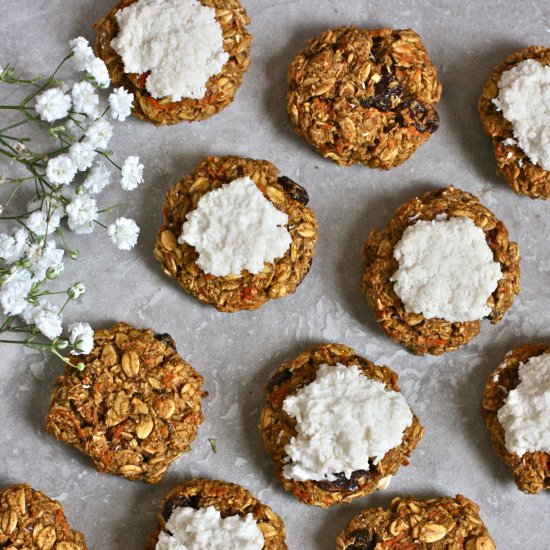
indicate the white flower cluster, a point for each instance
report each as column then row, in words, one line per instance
column 29, row 255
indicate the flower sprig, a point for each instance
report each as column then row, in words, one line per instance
column 65, row 183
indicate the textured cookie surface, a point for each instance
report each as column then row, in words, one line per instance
column 413, row 330
column 30, row 520
column 230, row 500
column 435, row 524
column 365, row 96
column 513, row 164
column 531, row 471
column 246, row 290
column 221, row 88
column 135, row 407
column 277, row 427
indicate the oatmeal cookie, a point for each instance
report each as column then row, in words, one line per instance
column 513, row 164
column 366, row 96
column 30, row 520
column 437, row 524
column 277, row 427
column 246, row 290
column 531, row 471
column 413, row 330
column 221, row 88
column 135, row 407
column 230, row 500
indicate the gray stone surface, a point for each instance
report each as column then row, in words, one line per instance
column 237, row 352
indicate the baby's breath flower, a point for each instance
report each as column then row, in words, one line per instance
column 124, row 233
column 99, row 134
column 54, row 272
column 14, row 291
column 76, row 291
column 12, row 247
column 85, row 99
column 132, row 173
column 44, row 257
column 81, row 336
column 48, row 319
column 82, row 213
column 98, row 71
column 61, row 169
column 52, row 104
column 120, row 101
column 83, row 55
column 82, row 154
column 98, row 179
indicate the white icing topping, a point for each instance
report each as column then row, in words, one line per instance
column 524, row 99
column 525, row 415
column 446, row 270
column 234, row 228
column 205, row 529
column 179, row 41
column 343, row 419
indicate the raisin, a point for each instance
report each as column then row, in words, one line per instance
column 343, row 483
column 386, row 91
column 278, row 379
column 166, row 339
column 363, row 540
column 424, row 119
column 180, row 502
column 293, row 190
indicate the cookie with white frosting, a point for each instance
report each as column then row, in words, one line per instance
column 236, row 234
column 515, row 112
column 182, row 59
column 516, row 407
column 336, row 425
column 443, row 262
column 217, row 515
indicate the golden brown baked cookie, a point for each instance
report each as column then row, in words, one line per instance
column 367, row 96
column 436, row 524
column 413, row 330
column 246, row 290
column 513, row 164
column 221, row 88
column 230, row 500
column 277, row 427
column 531, row 471
column 30, row 520
column 135, row 407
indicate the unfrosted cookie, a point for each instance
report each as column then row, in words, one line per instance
column 530, row 469
column 436, row 334
column 238, row 289
column 364, row 96
column 134, row 409
column 220, row 88
column 213, row 498
column 280, row 430
column 436, row 524
column 513, row 164
column 30, row 520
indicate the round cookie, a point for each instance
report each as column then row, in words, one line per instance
column 221, row 88
column 135, row 407
column 531, row 471
column 230, row 500
column 436, row 524
column 365, row 96
column 413, row 330
column 513, row 164
column 31, row 520
column 246, row 290
column 277, row 427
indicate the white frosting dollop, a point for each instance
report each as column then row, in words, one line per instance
column 446, row 270
column 342, row 418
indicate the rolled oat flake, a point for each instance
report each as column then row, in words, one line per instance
column 235, row 228
column 343, row 419
column 179, row 41
column 205, row 529
column 446, row 270
column 525, row 415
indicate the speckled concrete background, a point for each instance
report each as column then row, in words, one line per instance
column 236, row 353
